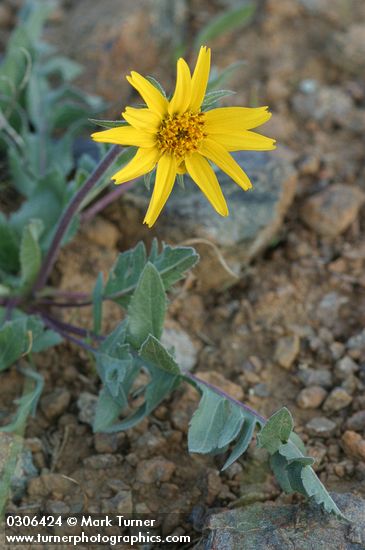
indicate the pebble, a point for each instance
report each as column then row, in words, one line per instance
column 356, row 422
column 345, row 368
column 325, row 104
column 155, row 470
column 338, row 399
column 331, row 211
column 337, row 350
column 57, row 507
column 353, row 444
column 107, row 443
column 121, row 503
column 316, row 377
column 55, row 403
column 321, row 426
column 47, row 484
column 347, row 49
column 86, row 404
column 287, row 350
column 357, row 343
column 311, row 398
column 100, row 462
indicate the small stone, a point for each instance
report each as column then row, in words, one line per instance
column 347, row 49
column 86, row 404
column 184, row 349
column 100, row 462
column 357, row 342
column 329, row 307
column 57, row 507
column 345, row 368
column 337, row 350
column 351, row 384
column 325, row 104
column 330, row 212
column 287, row 350
column 338, row 399
column 316, row 377
column 121, row 503
column 214, row 485
column 356, row 422
column 55, row 403
column 106, row 443
column 48, row 484
column 321, row 426
column 155, row 470
column 311, row 398
column 261, row 390
column 353, row 445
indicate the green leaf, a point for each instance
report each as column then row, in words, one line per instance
column 9, row 247
column 224, row 23
column 97, row 297
column 147, row 307
column 108, row 123
column 28, row 402
column 215, row 423
column 30, row 252
column 214, row 97
column 38, row 337
column 218, row 79
column 156, row 84
column 64, row 67
column 315, row 489
column 107, row 411
column 12, row 342
column 154, row 352
column 171, row 262
column 243, row 441
column 276, row 431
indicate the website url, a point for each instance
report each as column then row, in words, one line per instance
column 112, row 540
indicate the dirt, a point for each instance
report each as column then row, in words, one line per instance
column 308, row 290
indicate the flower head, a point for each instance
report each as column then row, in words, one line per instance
column 178, row 137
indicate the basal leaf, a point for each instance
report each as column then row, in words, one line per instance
column 226, row 22
column 107, row 411
column 147, row 307
column 276, row 431
column 242, row 442
column 215, row 423
column 154, row 352
column 12, row 342
column 30, row 252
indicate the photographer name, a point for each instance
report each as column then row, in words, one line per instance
column 120, row 521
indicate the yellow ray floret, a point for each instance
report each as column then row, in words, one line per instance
column 177, row 136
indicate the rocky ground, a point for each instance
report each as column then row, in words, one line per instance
column 282, row 320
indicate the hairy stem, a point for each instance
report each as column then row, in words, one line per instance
column 68, row 216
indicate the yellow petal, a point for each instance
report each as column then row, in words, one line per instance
column 165, row 178
column 125, row 135
column 142, row 163
column 200, row 79
column 153, row 98
column 142, row 119
column 233, row 119
column 203, row 175
column 245, row 140
column 218, row 154
column 182, row 95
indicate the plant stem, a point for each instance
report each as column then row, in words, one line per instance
column 68, row 216
column 104, row 201
column 54, row 326
column 261, row 419
column 67, row 327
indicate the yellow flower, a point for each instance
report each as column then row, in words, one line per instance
column 178, row 137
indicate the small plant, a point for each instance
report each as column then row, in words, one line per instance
column 36, row 112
